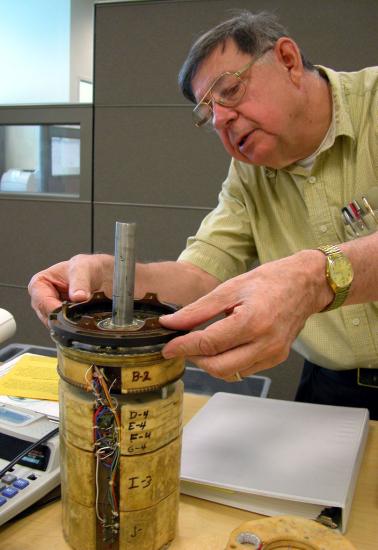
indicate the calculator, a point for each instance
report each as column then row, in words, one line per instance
column 38, row 472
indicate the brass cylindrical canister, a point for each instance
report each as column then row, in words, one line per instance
column 120, row 426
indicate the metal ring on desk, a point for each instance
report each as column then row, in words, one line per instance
column 286, row 532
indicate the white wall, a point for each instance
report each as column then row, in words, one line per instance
column 81, row 45
column 34, row 51
column 46, row 47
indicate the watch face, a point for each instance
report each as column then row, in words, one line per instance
column 340, row 272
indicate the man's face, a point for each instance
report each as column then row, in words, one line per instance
column 264, row 128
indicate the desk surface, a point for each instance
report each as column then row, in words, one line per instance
column 205, row 525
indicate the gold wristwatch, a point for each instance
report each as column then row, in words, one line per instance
column 339, row 273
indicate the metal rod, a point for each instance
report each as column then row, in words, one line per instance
column 124, row 274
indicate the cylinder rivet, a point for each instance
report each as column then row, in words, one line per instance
column 250, row 539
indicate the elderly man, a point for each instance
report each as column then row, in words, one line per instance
column 303, row 142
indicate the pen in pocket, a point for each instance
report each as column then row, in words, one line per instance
column 362, row 215
column 370, row 209
column 348, row 219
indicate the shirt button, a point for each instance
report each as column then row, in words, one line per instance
column 270, row 173
column 323, row 228
column 356, row 321
column 312, row 179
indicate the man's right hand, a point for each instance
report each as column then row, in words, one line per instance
column 74, row 280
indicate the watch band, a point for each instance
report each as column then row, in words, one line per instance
column 340, row 294
column 330, row 249
column 338, row 300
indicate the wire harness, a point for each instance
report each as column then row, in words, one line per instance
column 106, row 431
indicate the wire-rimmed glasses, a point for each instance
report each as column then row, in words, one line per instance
column 227, row 90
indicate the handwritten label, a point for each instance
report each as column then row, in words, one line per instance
column 141, row 376
column 136, row 482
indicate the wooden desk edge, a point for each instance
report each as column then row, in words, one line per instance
column 203, row 524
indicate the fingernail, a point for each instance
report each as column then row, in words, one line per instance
column 80, row 295
column 168, row 354
column 166, row 316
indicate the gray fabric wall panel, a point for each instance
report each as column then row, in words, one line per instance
column 38, row 234
column 153, row 243
column 155, row 155
column 140, row 46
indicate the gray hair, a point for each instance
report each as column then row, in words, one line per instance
column 252, row 33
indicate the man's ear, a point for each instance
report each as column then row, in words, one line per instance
column 289, row 55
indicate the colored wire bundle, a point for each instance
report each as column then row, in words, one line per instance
column 106, row 426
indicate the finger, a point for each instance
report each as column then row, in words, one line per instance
column 44, row 298
column 217, row 301
column 82, row 280
column 225, row 334
column 48, row 289
column 259, row 366
column 43, row 313
column 245, row 360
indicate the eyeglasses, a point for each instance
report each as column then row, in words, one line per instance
column 227, row 90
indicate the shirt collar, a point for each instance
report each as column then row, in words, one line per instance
column 343, row 123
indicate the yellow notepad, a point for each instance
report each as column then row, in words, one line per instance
column 33, row 376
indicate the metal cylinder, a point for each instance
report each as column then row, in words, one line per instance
column 124, row 274
column 121, row 423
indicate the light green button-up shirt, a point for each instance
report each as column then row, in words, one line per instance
column 266, row 214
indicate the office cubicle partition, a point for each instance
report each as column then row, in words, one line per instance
column 45, row 200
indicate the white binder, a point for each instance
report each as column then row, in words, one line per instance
column 275, row 457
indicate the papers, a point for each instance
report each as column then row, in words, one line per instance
column 30, row 381
column 32, row 376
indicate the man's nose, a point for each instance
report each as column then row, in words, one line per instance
column 222, row 115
